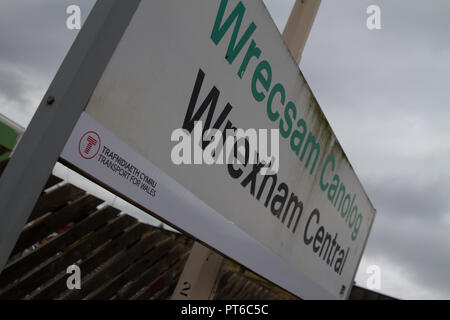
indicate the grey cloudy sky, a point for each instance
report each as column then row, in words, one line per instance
column 386, row 94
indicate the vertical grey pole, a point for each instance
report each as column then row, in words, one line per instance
column 299, row 25
column 200, row 274
column 38, row 150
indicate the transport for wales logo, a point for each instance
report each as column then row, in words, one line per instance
column 89, row 145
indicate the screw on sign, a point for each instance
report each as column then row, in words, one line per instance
column 89, row 145
column 341, row 293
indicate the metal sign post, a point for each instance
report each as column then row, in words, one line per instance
column 200, row 275
column 37, row 152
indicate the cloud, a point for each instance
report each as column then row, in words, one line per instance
column 418, row 250
column 13, row 87
column 395, row 280
column 279, row 10
column 20, row 92
column 411, row 200
column 386, row 95
column 33, row 34
column 34, row 40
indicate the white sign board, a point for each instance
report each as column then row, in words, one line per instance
column 224, row 62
